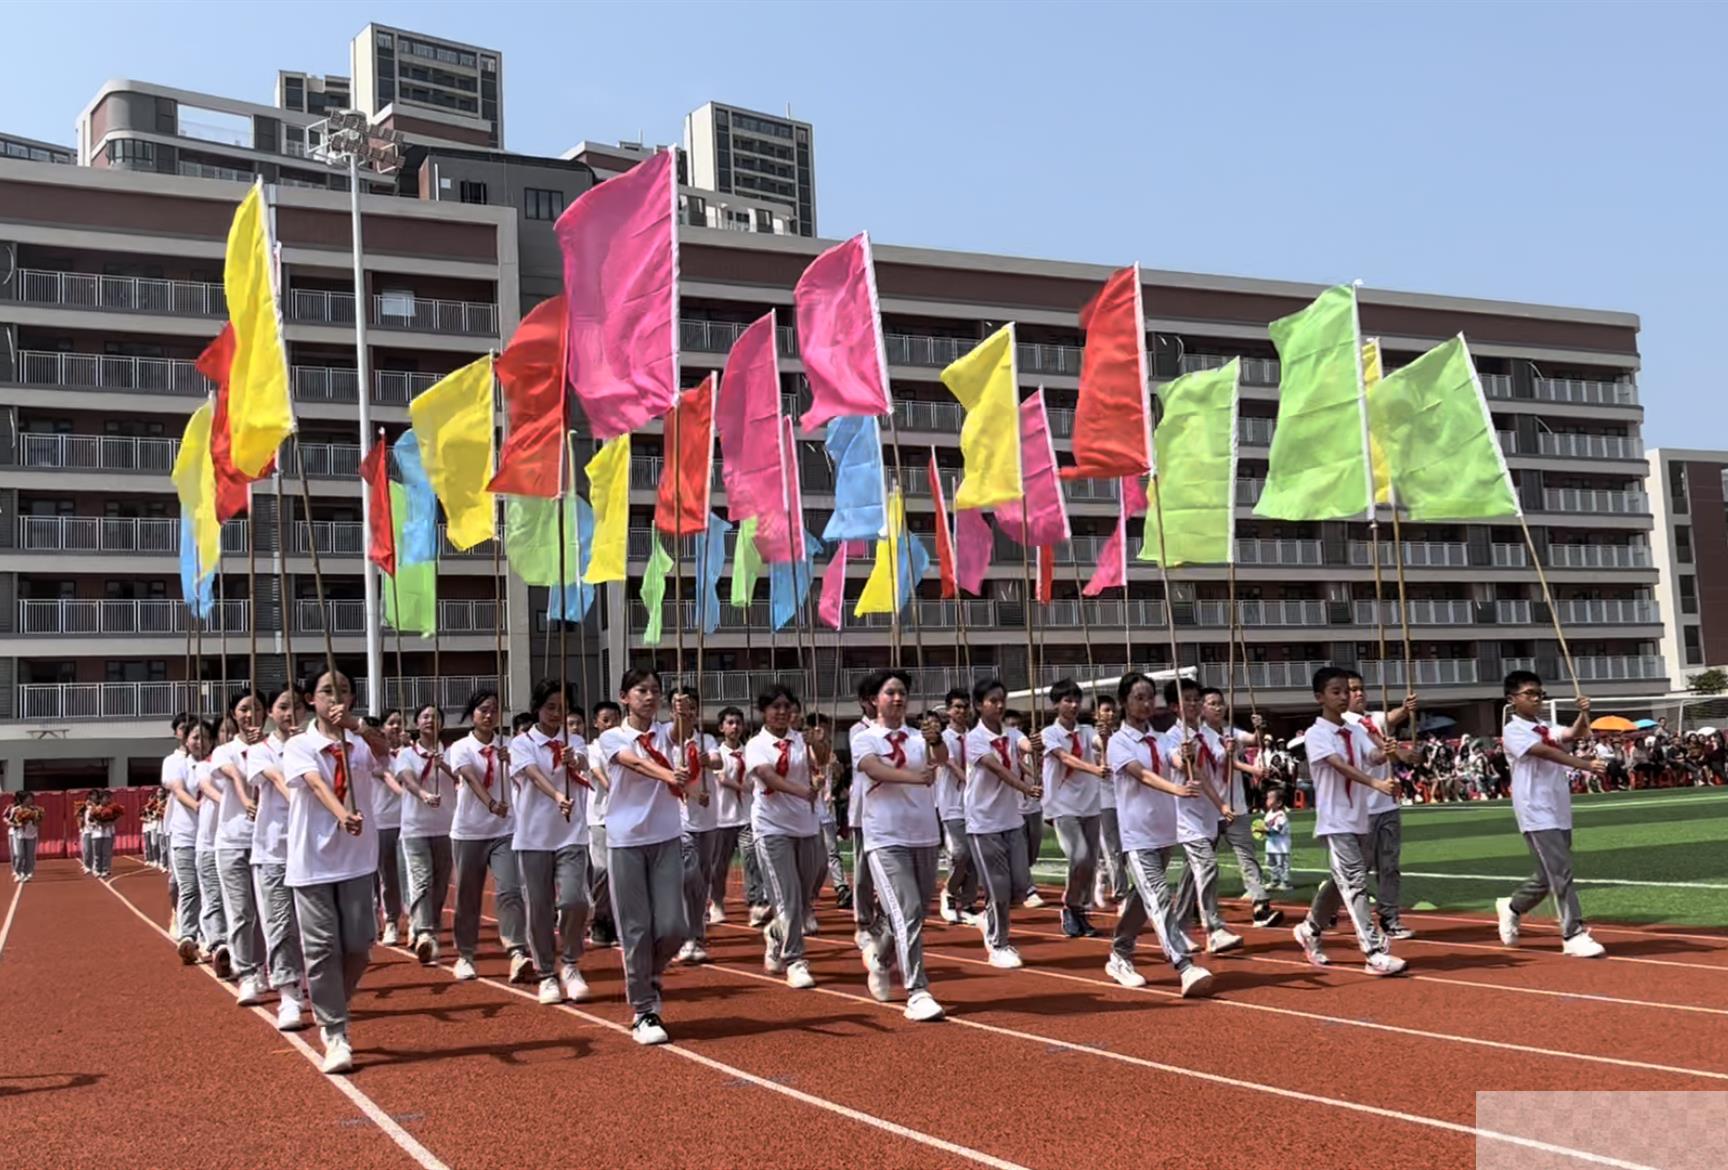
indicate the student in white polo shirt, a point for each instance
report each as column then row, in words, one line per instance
column 1110, row 886
column 960, row 890
column 550, row 769
column 1195, row 751
column 732, row 796
column 788, row 833
column 700, row 815
column 995, row 782
column 602, row 931
column 429, row 787
column 1385, row 815
column 1073, row 803
column 480, row 838
column 333, row 855
column 212, row 916
column 389, row 814
column 234, row 830
column 180, row 825
column 282, row 958
column 1542, row 802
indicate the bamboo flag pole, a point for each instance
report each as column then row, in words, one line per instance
column 1242, row 641
column 252, row 597
column 1169, row 607
column 222, row 636
column 563, row 676
column 894, row 549
column 284, row 507
column 1553, row 612
column 1026, row 583
column 1380, row 612
column 402, row 696
column 1403, row 606
column 675, row 468
column 582, row 621
column 962, row 648
column 318, row 587
column 1085, row 622
column 197, row 655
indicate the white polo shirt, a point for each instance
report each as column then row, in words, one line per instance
column 641, row 810
column 1340, row 804
column 734, row 805
column 597, row 799
column 1378, row 802
column 696, row 816
column 1197, row 816
column 951, row 778
column 855, row 801
column 473, row 820
column 320, row 851
column 1067, row 792
column 898, row 814
column 418, row 819
column 540, row 827
column 776, row 814
column 386, row 801
column 1145, row 816
column 1106, row 786
column 233, row 826
column 209, row 811
column 1541, row 796
column 270, row 830
column 178, row 821
column 992, row 805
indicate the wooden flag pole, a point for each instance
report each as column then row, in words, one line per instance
column 1403, row 607
column 1026, row 583
column 284, row 506
column 1242, row 641
column 899, row 481
column 197, row 675
column 1380, row 612
column 583, row 691
column 252, row 597
column 190, row 604
column 1169, row 607
column 675, row 468
column 221, row 635
column 1553, row 612
column 1085, row 622
column 402, row 695
column 318, row 587
column 563, row 675
column 1230, row 658
column 962, row 649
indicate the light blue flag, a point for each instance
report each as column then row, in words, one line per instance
column 789, row 583
column 420, row 525
column 855, row 445
column 577, row 597
column 199, row 593
column 710, row 563
column 914, row 563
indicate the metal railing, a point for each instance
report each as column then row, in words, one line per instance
column 1599, row 556
column 77, row 702
column 98, row 452
column 1587, row 392
column 398, row 386
column 1429, row 672
column 92, row 617
column 1513, row 612
column 1418, row 554
column 1598, row 668
column 1588, row 446
column 1262, row 613
column 1423, row 612
column 1510, row 556
column 942, row 417
column 435, row 316
column 1254, row 430
column 742, row 686
column 1248, row 491
column 1256, row 371
column 1298, row 675
column 131, row 294
column 1508, row 442
column 1277, row 552
column 1496, row 385
column 198, row 170
column 1594, row 500
column 323, row 460
column 1607, row 611
column 100, row 371
column 148, row 535
column 719, row 336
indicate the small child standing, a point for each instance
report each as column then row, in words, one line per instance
column 1277, row 841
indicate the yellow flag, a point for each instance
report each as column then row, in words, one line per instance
column 985, row 383
column 879, row 591
column 260, row 415
column 1371, row 375
column 453, row 420
column 609, row 493
column 194, row 479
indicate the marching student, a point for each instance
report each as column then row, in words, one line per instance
column 333, row 855
column 429, row 786
column 180, row 781
column 1198, row 752
column 829, row 830
column 212, row 915
column 902, row 835
column 602, row 931
column 235, row 812
column 1146, row 803
column 1110, row 885
column 700, row 816
column 86, row 831
column 480, row 837
column 732, row 790
column 388, row 811
column 1337, row 753
column 960, row 891
column 995, row 782
column 1072, row 802
column 1238, row 830
column 870, row 928
column 1542, row 802
column 1385, row 815
column 644, row 832
column 1031, row 841
column 550, row 768
column 788, row 835
column 22, row 818
column 282, row 957
column 102, row 815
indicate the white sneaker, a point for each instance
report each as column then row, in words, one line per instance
column 338, row 1056
column 251, row 991
column 426, row 949
column 798, row 976
column 521, row 968
column 922, row 1007
column 972, row 918
column 1033, row 901
column 770, row 952
column 465, row 970
column 759, row 915
column 1123, row 972
column 870, row 948
column 949, row 914
column 1310, row 944
column 812, row 925
column 880, row 984
column 575, row 987
column 715, row 915
column 1006, row 958
column 684, row 951
column 1221, row 940
column 1384, row 963
column 648, row 1029
column 550, row 993
column 1582, row 946
column 698, row 953
column 390, row 937
column 290, row 1014
column 1507, row 919
column 1196, row 982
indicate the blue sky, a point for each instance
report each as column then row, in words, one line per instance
column 1559, row 153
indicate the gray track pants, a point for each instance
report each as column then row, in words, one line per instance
column 755, row 888
column 555, row 890
column 904, row 877
column 212, row 919
column 599, row 883
column 86, row 849
column 1552, row 849
column 1239, row 835
column 1032, row 842
column 281, row 927
column 240, row 907
column 472, row 861
column 647, row 884
column 1148, row 900
column 429, row 864
column 993, row 854
column 1078, row 837
column 1386, row 836
column 390, row 874
column 962, row 884
column 24, row 856
column 836, row 874
column 338, row 923
column 698, row 851
column 1113, row 874
column 187, row 903
column 102, row 855
column 791, row 865
column 1199, row 883
column 1347, row 887
column 719, row 874
column 866, row 912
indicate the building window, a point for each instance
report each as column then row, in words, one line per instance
column 1683, row 542
column 471, row 192
column 150, row 670
column 130, row 152
column 540, row 203
column 1677, row 485
column 1688, row 593
column 1694, row 650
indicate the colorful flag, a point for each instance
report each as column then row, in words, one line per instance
column 985, row 381
column 1112, row 418
column 381, row 534
column 194, row 479
column 746, row 409
column 854, row 444
column 746, row 565
column 260, row 414
column 653, row 589
column 1196, row 481
column 609, row 485
column 688, row 473
column 780, row 532
column 880, row 595
column 710, row 564
column 1112, row 570
column 832, row 605
column 620, row 245
column 453, row 418
column 1041, row 516
column 789, row 582
column 944, row 539
column 233, row 487
column 411, row 596
column 840, row 334
column 974, row 545
column 1319, row 466
column 1440, row 442
column 197, row 588
column 419, row 520
column 577, row 596
column 531, row 374
column 1046, row 589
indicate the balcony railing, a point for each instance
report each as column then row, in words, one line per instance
column 1278, row 552
column 1604, row 668
column 1585, row 392
column 1248, row 491
column 98, row 453
column 1429, row 672
column 1418, row 554
column 1256, row 371
column 347, row 538
column 1273, row 675
column 1508, row 442
column 129, row 294
column 742, row 686
column 1588, row 446
column 99, row 371
column 1497, row 385
column 1262, row 613
column 1594, row 500
column 426, row 315
column 75, row 702
column 323, row 460
column 1599, row 556
column 719, row 336
column 1255, row 431
column 398, row 386
column 94, row 617
column 1513, row 612
column 1423, row 612
column 1607, row 611
column 941, row 417
column 146, row 535
column 1511, row 556
column 198, row 170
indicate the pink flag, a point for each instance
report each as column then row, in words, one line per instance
column 973, row 545
column 1044, row 516
column 780, row 533
column 620, row 245
column 840, row 334
column 1134, row 495
column 1112, row 571
column 832, row 607
column 747, row 409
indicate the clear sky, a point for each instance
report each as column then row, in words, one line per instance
column 1571, row 154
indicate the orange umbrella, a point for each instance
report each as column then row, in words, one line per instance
column 1612, row 723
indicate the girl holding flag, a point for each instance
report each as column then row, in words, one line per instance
column 427, row 815
column 282, row 955
column 480, row 838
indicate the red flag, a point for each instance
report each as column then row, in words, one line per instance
column 688, row 440
column 232, row 496
column 1046, row 574
column 381, row 536
column 1112, row 417
column 531, row 370
column 944, row 539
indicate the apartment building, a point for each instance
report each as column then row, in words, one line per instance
column 1690, row 543
column 429, row 86
column 739, row 152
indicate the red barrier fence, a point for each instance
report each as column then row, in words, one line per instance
column 57, row 832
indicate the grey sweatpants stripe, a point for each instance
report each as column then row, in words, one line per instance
column 993, row 854
column 1199, row 882
column 789, row 865
column 1239, row 833
column 1078, row 837
column 1148, row 900
column 1347, row 887
column 905, row 876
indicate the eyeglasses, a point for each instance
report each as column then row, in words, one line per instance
column 1532, row 694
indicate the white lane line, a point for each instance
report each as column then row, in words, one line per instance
column 11, row 913
column 708, row 1062
column 1552, row 928
column 374, row 1112
column 1234, row 1082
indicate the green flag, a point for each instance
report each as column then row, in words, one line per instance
column 746, row 565
column 415, row 587
column 654, row 588
column 1195, row 488
column 1441, row 449
column 531, row 539
column 1319, row 458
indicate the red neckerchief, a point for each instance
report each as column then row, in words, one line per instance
column 783, row 765
column 1152, row 760
column 693, row 758
column 1544, row 734
column 1348, row 744
column 960, row 744
column 1000, row 743
column 431, row 762
column 896, row 753
column 570, row 773
column 488, row 752
column 645, row 741
column 340, row 784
